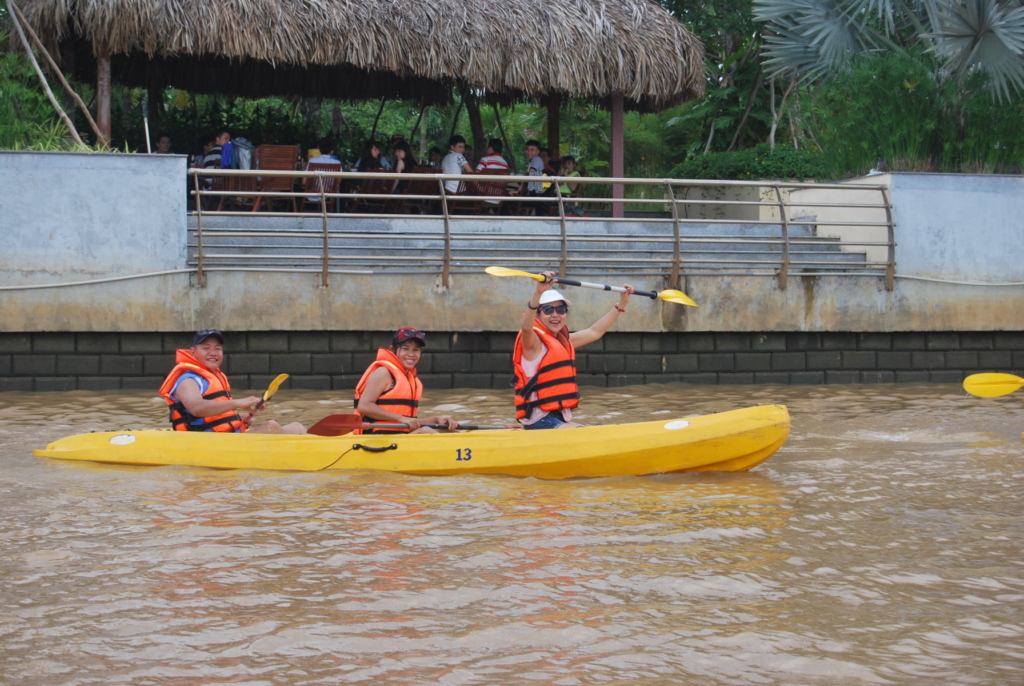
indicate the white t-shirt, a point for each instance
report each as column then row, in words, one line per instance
column 452, row 164
column 530, row 368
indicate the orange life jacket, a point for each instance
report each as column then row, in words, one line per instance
column 555, row 380
column 403, row 398
column 218, row 389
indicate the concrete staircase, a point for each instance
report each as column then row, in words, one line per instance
column 416, row 244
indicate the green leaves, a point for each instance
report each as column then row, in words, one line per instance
column 816, row 39
column 983, row 35
column 761, row 162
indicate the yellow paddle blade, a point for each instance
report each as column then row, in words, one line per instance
column 992, row 385
column 505, row 271
column 677, row 297
column 274, row 385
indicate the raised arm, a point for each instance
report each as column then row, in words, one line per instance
column 532, row 345
column 601, row 326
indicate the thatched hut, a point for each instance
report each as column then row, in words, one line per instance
column 629, row 54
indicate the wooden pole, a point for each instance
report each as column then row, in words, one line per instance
column 103, row 89
column 373, row 133
column 46, row 87
column 508, row 155
column 554, row 125
column 618, row 156
column 416, row 128
column 156, row 108
column 56, row 70
column 455, row 122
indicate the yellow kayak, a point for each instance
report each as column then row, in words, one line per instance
column 728, row 441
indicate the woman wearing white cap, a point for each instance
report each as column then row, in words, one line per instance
column 544, row 357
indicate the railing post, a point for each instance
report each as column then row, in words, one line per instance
column 564, row 257
column 890, row 267
column 447, row 267
column 200, row 275
column 325, row 276
column 674, row 278
column 784, row 263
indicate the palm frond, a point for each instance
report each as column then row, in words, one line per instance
column 987, row 36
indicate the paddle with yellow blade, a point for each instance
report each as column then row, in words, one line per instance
column 671, row 296
column 992, row 385
column 271, row 390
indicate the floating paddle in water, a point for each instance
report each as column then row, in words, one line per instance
column 271, row 390
column 992, row 385
column 671, row 296
column 341, row 424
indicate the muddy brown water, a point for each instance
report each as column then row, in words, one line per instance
column 881, row 545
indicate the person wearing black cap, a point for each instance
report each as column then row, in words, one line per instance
column 199, row 396
column 390, row 389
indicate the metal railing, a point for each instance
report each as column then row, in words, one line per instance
column 740, row 248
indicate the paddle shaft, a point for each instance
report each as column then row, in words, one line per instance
column 603, row 287
column 462, row 427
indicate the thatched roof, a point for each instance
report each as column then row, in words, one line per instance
column 415, row 49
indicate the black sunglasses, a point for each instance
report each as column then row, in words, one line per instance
column 551, row 309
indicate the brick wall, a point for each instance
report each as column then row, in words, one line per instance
column 325, row 361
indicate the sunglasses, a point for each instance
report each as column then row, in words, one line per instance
column 551, row 309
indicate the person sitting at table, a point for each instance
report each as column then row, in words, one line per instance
column 371, row 158
column 492, row 158
column 455, row 163
column 199, row 396
column 392, row 381
column 535, row 189
column 405, row 161
column 567, row 189
column 493, row 161
column 325, row 156
column 434, row 157
column 549, row 165
column 163, row 144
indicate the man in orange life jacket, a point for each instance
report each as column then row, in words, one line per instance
column 544, row 357
column 199, row 394
column 390, row 389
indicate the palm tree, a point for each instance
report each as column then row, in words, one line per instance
column 814, row 39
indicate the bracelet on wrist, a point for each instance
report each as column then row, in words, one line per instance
column 620, row 309
column 531, row 306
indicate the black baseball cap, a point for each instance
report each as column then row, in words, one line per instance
column 408, row 332
column 207, row 333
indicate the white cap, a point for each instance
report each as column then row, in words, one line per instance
column 552, row 296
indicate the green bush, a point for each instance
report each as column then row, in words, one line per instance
column 900, row 106
column 784, row 162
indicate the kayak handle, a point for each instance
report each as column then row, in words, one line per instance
column 358, row 446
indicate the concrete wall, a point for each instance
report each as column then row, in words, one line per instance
column 335, row 360
column 70, row 217
column 867, row 234
column 961, row 227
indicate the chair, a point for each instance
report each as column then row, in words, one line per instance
column 277, row 158
column 421, row 187
column 466, row 187
column 497, row 189
column 314, row 185
column 241, row 184
column 372, row 187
